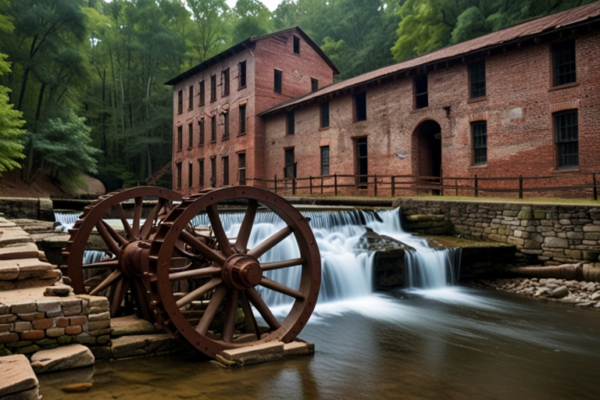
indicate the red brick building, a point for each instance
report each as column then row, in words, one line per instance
column 521, row 101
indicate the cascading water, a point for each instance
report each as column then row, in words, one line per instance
column 67, row 220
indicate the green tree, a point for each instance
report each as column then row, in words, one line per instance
column 252, row 19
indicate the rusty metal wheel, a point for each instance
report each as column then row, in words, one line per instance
column 230, row 273
column 117, row 274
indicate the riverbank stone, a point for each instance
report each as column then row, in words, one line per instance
column 17, row 379
column 62, row 358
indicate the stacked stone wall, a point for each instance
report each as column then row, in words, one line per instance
column 22, row 207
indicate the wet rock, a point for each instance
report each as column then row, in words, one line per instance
column 62, row 358
column 131, row 325
column 17, row 379
column 77, row 387
column 559, row 292
column 595, row 296
column 58, row 291
column 543, row 292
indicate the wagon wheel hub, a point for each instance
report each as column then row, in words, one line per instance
column 241, row 272
column 134, row 259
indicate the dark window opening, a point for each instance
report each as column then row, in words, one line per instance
column 242, row 73
column 201, row 94
column 314, row 84
column 563, row 62
column 178, row 175
column 201, row 123
column 242, row 120
column 225, row 170
column 325, row 115
column 477, row 79
column 191, row 136
column 566, row 127
column 201, row 173
column 296, row 45
column 360, row 107
column 180, row 102
column 242, row 168
column 421, row 97
column 290, row 164
column 213, row 129
column 291, row 123
column 226, row 125
column 277, row 87
column 225, row 82
column 190, row 174
column 179, row 138
column 213, row 172
column 213, row 88
column 479, row 131
column 191, row 98
column 362, row 165
column 325, row 160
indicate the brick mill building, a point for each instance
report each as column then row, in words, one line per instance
column 520, row 101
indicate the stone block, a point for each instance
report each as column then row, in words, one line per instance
column 48, row 306
column 8, row 272
column 516, row 241
column 99, row 317
column 23, row 308
column 4, row 309
column 73, row 330
column 28, row 349
column 79, row 320
column 55, row 332
column 100, row 332
column 591, row 228
column 62, row 340
column 254, row 354
column 43, row 324
column 17, row 377
column 33, row 335
column 8, row 337
column 575, row 235
column 93, row 326
column 102, row 340
column 539, row 214
column 86, row 339
column 525, row 213
column 129, row 346
column 7, row 327
column 298, row 349
column 46, row 342
column 556, row 242
column 32, row 316
column 71, row 310
column 62, row 358
column 22, row 326
column 62, row 322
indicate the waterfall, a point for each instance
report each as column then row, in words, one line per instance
column 67, row 220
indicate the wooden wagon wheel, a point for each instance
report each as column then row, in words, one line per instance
column 116, row 275
column 231, row 273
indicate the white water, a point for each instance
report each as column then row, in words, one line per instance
column 67, row 220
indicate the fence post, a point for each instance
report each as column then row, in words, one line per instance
column 310, row 180
column 520, row 186
column 335, row 183
column 321, row 184
column 294, row 186
column 476, row 187
column 275, row 180
column 595, row 188
column 393, row 186
column 375, row 185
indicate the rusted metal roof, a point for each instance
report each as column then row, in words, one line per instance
column 248, row 43
column 512, row 34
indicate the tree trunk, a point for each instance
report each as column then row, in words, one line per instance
column 567, row 271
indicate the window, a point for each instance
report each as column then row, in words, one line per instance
column 213, row 88
column 242, row 168
column 420, row 88
column 290, row 165
column 563, row 63
column 180, row 102
column 291, row 123
column 201, row 172
column 201, row 94
column 179, row 138
column 242, row 74
column 479, row 131
column 277, row 81
column 567, row 138
column 226, row 125
column 360, row 107
column 242, row 119
column 226, row 170
column 191, row 98
column 225, row 82
column 362, row 164
column 325, row 160
column 190, row 174
column 314, row 84
column 213, row 129
column 178, row 175
column 477, row 79
column 325, row 115
column 296, row 45
column 201, row 123
column 191, row 136
column 213, row 172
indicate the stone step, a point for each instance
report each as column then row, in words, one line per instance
column 26, row 250
column 256, row 354
column 62, row 358
column 10, row 236
column 17, row 380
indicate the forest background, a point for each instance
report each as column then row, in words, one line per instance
column 82, row 81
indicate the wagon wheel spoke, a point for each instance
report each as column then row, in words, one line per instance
column 137, row 215
column 114, row 234
column 201, row 291
column 278, row 287
column 106, row 282
column 108, row 239
column 102, row 264
column 124, row 221
column 202, row 248
column 242, row 240
column 270, row 242
column 217, row 226
column 211, row 310
column 119, row 295
column 249, row 321
column 282, row 264
column 262, row 308
column 206, row 272
column 230, row 314
column 142, row 302
column 147, row 228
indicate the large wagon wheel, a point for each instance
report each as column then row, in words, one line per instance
column 232, row 272
column 115, row 275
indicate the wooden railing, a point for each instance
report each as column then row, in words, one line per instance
column 577, row 184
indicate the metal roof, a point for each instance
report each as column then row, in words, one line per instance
column 509, row 35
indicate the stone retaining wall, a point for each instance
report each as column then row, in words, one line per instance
column 542, row 233
column 22, row 207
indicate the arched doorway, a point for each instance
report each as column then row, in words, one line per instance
column 427, row 145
